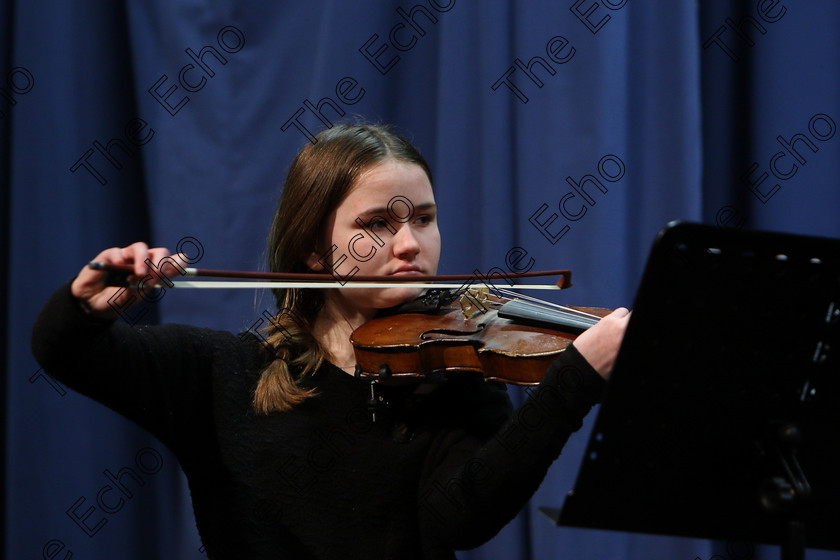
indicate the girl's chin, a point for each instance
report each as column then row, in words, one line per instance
column 403, row 295
column 383, row 298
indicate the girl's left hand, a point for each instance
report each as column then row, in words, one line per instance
column 599, row 344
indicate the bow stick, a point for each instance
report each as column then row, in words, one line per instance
column 255, row 280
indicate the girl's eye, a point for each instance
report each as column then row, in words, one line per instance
column 377, row 224
column 424, row 219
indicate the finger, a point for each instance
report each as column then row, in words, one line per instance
column 90, row 281
column 182, row 261
column 166, row 265
column 136, row 254
column 108, row 256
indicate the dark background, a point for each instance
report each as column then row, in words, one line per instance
column 647, row 86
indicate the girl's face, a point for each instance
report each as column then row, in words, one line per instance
column 386, row 226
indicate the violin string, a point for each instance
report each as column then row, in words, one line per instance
column 540, row 303
column 536, row 301
column 561, row 312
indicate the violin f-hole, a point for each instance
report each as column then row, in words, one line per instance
column 450, row 332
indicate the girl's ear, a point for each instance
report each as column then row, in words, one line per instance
column 313, row 262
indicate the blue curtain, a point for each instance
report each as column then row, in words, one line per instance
column 561, row 135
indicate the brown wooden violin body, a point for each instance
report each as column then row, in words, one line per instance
column 408, row 346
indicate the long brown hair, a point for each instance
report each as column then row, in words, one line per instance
column 320, row 177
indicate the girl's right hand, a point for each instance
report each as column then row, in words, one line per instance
column 96, row 298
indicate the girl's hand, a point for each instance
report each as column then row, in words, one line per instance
column 599, row 344
column 96, row 298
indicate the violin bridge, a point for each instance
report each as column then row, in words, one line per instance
column 473, row 301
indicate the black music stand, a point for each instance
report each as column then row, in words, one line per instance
column 722, row 416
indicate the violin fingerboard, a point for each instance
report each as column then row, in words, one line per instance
column 529, row 313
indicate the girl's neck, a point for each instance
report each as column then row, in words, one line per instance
column 335, row 323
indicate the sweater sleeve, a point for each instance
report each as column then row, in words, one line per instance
column 157, row 376
column 473, row 485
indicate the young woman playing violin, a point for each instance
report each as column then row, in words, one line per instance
column 280, row 451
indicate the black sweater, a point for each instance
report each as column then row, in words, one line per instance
column 432, row 474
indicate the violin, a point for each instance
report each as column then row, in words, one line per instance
column 511, row 340
column 502, row 339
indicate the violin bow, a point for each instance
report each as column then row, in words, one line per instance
column 266, row 280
